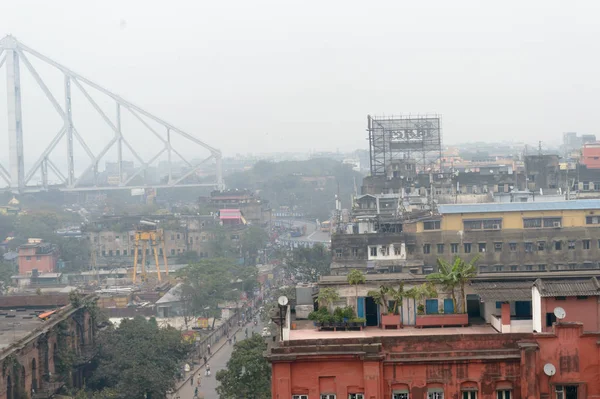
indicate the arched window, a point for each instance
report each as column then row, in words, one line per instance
column 468, row 390
column 54, row 357
column 9, row 388
column 34, row 376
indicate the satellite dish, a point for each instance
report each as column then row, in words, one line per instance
column 282, row 300
column 549, row 369
column 560, row 313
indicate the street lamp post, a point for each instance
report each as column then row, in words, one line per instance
column 282, row 301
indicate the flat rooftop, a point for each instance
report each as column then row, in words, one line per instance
column 18, row 323
column 306, row 331
column 520, row 206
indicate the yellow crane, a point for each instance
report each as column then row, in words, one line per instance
column 149, row 235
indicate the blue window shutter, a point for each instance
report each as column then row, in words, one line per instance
column 431, row 306
column 448, row 305
column 360, row 309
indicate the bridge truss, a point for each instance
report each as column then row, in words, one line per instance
column 13, row 54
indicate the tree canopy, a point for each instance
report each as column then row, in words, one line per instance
column 210, row 281
column 309, row 264
column 248, row 373
column 138, row 360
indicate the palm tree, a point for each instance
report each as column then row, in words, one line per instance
column 455, row 274
column 356, row 277
column 387, row 293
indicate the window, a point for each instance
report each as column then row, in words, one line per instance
column 469, row 395
column 566, row 391
column 178, row 236
column 440, row 248
column 299, row 396
column 38, row 257
column 172, row 252
column 498, row 268
column 426, row 248
column 355, row 252
column 586, row 186
column 592, row 220
column 435, row 395
column 542, row 268
column 118, row 252
column 528, row 247
column 485, row 224
column 338, row 252
column 528, row 268
column 514, row 268
column 498, row 305
column 557, row 245
column 512, row 246
column 560, row 298
column 541, row 245
column 550, row 319
column 482, row 269
column 385, row 250
column 373, row 251
column 467, row 246
column 503, row 394
column 431, row 225
column 398, row 249
column 586, row 244
column 124, row 252
column 582, row 297
column 327, row 396
column 400, row 395
column 537, row 223
column 103, row 253
column 356, row 396
column 532, row 223
column 29, row 257
column 454, row 247
column 498, row 247
column 571, row 244
column 110, row 253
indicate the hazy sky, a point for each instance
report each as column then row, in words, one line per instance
column 259, row 76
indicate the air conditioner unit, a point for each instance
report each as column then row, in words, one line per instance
column 556, row 224
column 496, row 227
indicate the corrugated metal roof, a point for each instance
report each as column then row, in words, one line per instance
column 230, row 214
column 588, row 287
column 520, row 206
column 503, row 291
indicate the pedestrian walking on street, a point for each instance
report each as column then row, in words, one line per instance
column 196, row 392
column 208, row 370
column 204, row 358
column 208, row 348
column 234, row 339
column 192, row 380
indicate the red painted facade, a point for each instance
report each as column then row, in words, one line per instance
column 590, row 156
column 40, row 256
column 584, row 308
column 417, row 365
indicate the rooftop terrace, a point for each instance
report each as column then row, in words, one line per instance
column 305, row 330
column 16, row 324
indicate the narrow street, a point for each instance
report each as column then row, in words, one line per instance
column 218, row 362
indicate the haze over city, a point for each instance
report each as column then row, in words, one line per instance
column 269, row 76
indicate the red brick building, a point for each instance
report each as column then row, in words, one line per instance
column 464, row 363
column 37, row 255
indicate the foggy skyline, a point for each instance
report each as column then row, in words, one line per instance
column 263, row 76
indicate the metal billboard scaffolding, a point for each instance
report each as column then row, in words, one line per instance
column 398, row 138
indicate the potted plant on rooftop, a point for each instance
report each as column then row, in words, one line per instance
column 389, row 299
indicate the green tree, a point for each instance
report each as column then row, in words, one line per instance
column 309, row 264
column 420, row 292
column 138, row 360
column 327, row 296
column 253, row 240
column 454, row 274
column 356, row 277
column 248, row 373
column 188, row 257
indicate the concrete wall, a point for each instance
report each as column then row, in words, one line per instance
column 536, row 309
